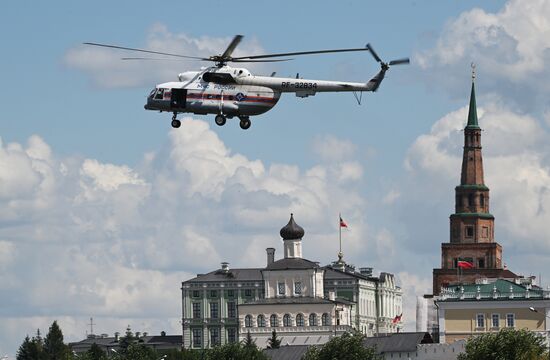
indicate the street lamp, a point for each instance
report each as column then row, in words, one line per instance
column 535, row 310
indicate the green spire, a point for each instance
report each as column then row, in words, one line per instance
column 472, row 114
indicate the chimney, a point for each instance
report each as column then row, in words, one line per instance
column 270, row 256
column 225, row 267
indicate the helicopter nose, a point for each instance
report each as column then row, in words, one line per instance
column 148, row 105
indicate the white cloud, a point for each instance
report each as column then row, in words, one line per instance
column 106, row 68
column 391, row 197
column 511, row 49
column 330, row 148
column 114, row 241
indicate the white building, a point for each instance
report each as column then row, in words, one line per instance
column 304, row 302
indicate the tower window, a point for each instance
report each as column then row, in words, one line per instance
column 481, row 263
column 471, row 200
column 485, row 231
column 469, row 231
column 481, row 200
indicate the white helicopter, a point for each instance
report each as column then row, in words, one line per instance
column 228, row 91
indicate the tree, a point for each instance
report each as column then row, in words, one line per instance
column 274, row 342
column 31, row 349
column 248, row 341
column 236, row 351
column 505, row 344
column 25, row 350
column 349, row 346
column 54, row 348
column 95, row 353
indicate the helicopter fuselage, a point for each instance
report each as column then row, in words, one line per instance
column 232, row 92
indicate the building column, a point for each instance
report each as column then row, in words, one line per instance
column 223, row 316
column 205, row 317
column 441, row 323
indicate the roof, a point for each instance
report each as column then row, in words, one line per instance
column 291, row 300
column 499, row 289
column 398, row 342
column 292, row 263
column 171, row 340
column 472, row 113
column 294, row 352
column 292, row 231
column 249, row 274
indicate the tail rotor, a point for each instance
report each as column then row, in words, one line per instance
column 377, row 80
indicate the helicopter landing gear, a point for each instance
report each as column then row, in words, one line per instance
column 220, row 120
column 245, row 122
column 175, row 122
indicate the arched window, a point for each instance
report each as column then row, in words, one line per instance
column 261, row 320
column 312, row 320
column 273, row 321
column 470, row 199
column 325, row 321
column 481, row 200
column 299, row 320
column 286, row 320
column 248, row 321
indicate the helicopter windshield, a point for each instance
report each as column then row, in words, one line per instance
column 152, row 93
column 159, row 94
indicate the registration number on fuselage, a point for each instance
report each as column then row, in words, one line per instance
column 298, row 85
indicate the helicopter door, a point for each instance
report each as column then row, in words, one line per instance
column 178, row 98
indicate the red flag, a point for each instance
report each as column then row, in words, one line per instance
column 397, row 318
column 343, row 223
column 465, row 264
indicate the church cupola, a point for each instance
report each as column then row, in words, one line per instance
column 292, row 235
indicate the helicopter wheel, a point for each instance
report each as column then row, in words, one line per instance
column 176, row 123
column 220, row 120
column 245, row 123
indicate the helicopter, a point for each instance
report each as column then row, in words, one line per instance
column 229, row 92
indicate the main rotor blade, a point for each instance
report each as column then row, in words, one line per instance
column 298, row 53
column 236, row 40
column 158, row 59
column 400, row 61
column 373, row 53
column 258, row 61
column 144, row 51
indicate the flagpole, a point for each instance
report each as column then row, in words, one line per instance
column 340, row 232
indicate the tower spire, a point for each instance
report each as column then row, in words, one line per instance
column 472, row 113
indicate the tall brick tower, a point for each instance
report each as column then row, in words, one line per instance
column 472, row 227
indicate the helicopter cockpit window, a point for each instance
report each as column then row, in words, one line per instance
column 152, row 93
column 159, row 95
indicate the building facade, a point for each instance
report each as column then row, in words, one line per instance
column 492, row 305
column 304, row 302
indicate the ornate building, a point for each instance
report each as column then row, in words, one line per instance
column 304, row 302
column 472, row 227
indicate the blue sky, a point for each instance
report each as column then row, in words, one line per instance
column 106, row 208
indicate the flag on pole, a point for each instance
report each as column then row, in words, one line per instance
column 397, row 318
column 343, row 223
column 465, row 264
